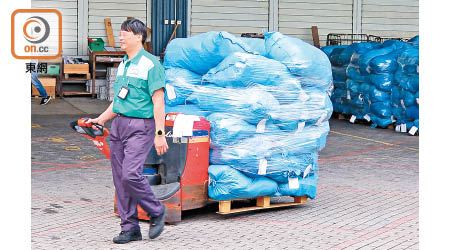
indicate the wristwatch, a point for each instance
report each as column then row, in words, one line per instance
column 159, row 132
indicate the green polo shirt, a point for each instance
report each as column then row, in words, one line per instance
column 143, row 74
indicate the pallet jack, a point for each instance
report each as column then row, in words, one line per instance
column 179, row 178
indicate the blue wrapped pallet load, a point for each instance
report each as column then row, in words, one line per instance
column 268, row 104
column 405, row 91
column 381, row 82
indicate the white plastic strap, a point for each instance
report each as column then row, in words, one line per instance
column 367, row 117
column 352, row 119
column 402, row 103
column 262, row 167
column 261, row 127
column 348, row 94
column 403, row 128
column 170, row 90
column 397, row 128
column 300, row 127
column 307, row 170
column 321, row 119
column 413, row 130
column 417, row 100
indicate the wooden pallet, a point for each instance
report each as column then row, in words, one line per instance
column 77, row 76
column 262, row 202
column 76, row 93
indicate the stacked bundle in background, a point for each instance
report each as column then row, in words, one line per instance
column 382, row 82
column 358, row 81
column 405, row 92
column 268, row 104
column 339, row 62
column 381, row 64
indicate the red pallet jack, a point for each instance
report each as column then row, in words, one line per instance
column 179, row 178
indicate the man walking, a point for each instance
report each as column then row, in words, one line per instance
column 138, row 108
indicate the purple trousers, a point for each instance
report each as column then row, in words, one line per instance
column 130, row 142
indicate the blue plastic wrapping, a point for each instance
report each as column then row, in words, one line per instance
column 245, row 155
column 366, row 58
column 268, row 110
column 227, row 183
column 315, row 108
column 179, row 85
column 384, row 64
column 256, row 44
column 406, row 87
column 202, row 52
column 253, row 103
column 244, row 70
column 339, row 73
column 382, row 81
column 307, row 186
column 188, row 109
column 330, row 48
column 226, row 129
column 304, row 60
column 381, row 109
column 414, row 42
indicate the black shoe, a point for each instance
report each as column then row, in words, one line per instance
column 157, row 224
column 45, row 100
column 127, row 236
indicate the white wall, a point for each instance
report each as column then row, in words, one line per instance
column 233, row 16
column 69, row 12
column 390, row 18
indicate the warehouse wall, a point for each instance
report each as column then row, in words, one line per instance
column 251, row 16
column 118, row 11
column 69, row 11
column 296, row 17
column 390, row 18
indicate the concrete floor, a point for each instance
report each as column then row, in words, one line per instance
column 368, row 195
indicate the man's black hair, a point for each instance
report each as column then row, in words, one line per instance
column 135, row 26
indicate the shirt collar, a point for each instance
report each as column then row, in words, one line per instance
column 135, row 59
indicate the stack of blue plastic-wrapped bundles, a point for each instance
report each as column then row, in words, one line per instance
column 382, row 82
column 405, row 92
column 268, row 104
column 381, row 64
column 339, row 66
column 358, row 81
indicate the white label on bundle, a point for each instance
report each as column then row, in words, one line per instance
column 262, row 167
column 348, row 94
column 403, row 128
column 352, row 119
column 209, row 180
column 293, row 183
column 300, row 127
column 397, row 128
column 261, row 127
column 367, row 117
column 307, row 170
column 402, row 103
column 392, row 118
column 417, row 100
column 413, row 130
column 170, row 92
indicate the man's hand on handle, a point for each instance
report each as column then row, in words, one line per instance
column 161, row 145
column 97, row 120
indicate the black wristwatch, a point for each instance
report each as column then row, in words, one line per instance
column 159, row 132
